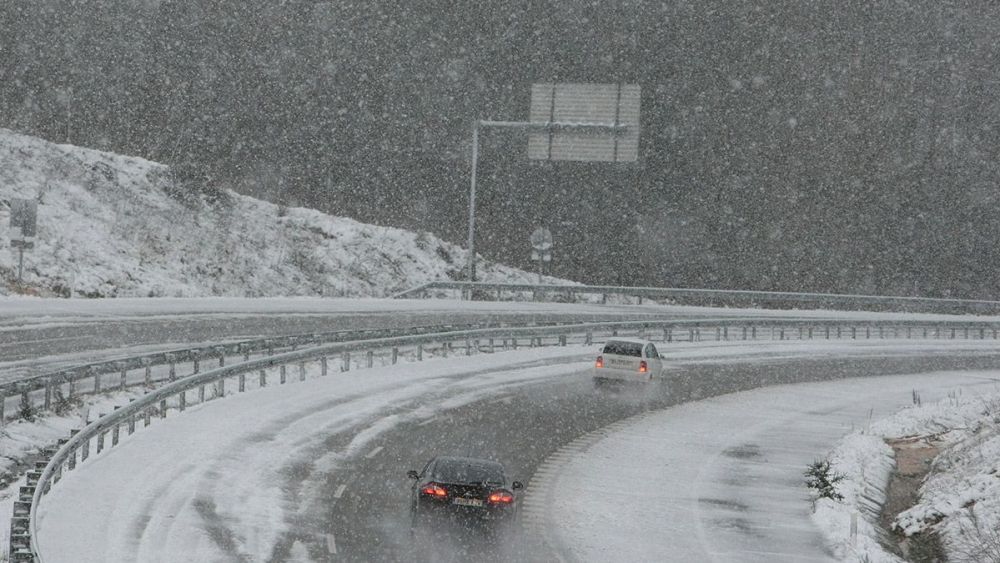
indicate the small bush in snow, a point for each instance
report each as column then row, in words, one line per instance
column 820, row 477
column 26, row 410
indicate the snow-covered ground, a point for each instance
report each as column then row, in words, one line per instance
column 703, row 480
column 960, row 497
column 116, row 226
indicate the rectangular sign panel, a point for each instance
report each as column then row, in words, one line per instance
column 23, row 217
column 572, row 112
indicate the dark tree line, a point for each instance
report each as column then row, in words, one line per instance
column 822, row 145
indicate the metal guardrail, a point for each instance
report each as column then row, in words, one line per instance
column 24, row 533
column 716, row 297
column 38, row 391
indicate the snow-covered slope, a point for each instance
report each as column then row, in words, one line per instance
column 110, row 225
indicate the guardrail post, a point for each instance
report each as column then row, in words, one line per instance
column 243, row 382
column 809, row 333
column 173, row 370
column 562, row 339
column 71, row 463
column 97, row 383
column 718, row 334
column 115, row 432
column 966, row 333
column 668, row 335
column 131, row 424
column 263, row 378
column 282, row 374
column 323, row 367
column 345, row 361
column 147, row 418
column 753, row 332
column 513, row 343
column 222, row 360
column 854, row 333
column 953, row 334
column 881, row 332
column 369, row 359
column 163, row 409
column 468, row 347
column 302, row 371
column 828, row 333
column 246, row 354
column 148, row 376
column 25, row 397
column 614, row 332
column 100, row 442
column 395, row 355
column 48, row 393
column 781, row 333
column 201, row 394
column 982, row 333
column 420, row 352
column 84, row 450
column 197, row 366
column 221, row 389
column 124, row 375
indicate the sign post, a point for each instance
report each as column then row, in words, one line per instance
column 581, row 122
column 541, row 249
column 23, row 227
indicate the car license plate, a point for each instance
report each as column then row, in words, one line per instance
column 468, row 501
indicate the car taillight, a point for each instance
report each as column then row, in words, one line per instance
column 600, row 362
column 434, row 490
column 643, row 368
column 501, row 497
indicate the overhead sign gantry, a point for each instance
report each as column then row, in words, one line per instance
column 578, row 122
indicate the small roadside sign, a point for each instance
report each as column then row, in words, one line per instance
column 23, row 228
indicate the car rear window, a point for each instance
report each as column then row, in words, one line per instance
column 623, row 348
column 456, row 471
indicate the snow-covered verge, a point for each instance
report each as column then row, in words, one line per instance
column 116, row 226
column 960, row 497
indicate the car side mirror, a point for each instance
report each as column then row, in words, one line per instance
column 516, row 485
column 412, row 474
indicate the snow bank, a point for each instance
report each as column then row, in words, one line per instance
column 960, row 497
column 116, row 226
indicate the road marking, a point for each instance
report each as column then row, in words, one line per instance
column 428, row 421
column 373, row 453
column 331, row 544
column 340, row 491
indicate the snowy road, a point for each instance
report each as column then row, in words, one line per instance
column 39, row 336
column 315, row 471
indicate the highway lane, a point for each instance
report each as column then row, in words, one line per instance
column 33, row 349
column 362, row 512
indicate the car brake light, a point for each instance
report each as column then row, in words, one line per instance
column 600, row 362
column 643, row 368
column 501, row 497
column 434, row 490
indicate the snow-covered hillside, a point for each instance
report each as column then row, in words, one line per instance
column 115, row 226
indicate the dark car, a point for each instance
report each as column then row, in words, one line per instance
column 466, row 490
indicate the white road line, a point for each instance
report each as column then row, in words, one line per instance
column 331, row 544
column 428, row 421
column 373, row 453
column 340, row 491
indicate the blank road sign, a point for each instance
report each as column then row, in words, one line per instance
column 572, row 111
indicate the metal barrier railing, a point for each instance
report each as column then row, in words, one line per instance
column 38, row 392
column 714, row 297
column 173, row 395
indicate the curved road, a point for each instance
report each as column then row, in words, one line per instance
column 348, row 499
